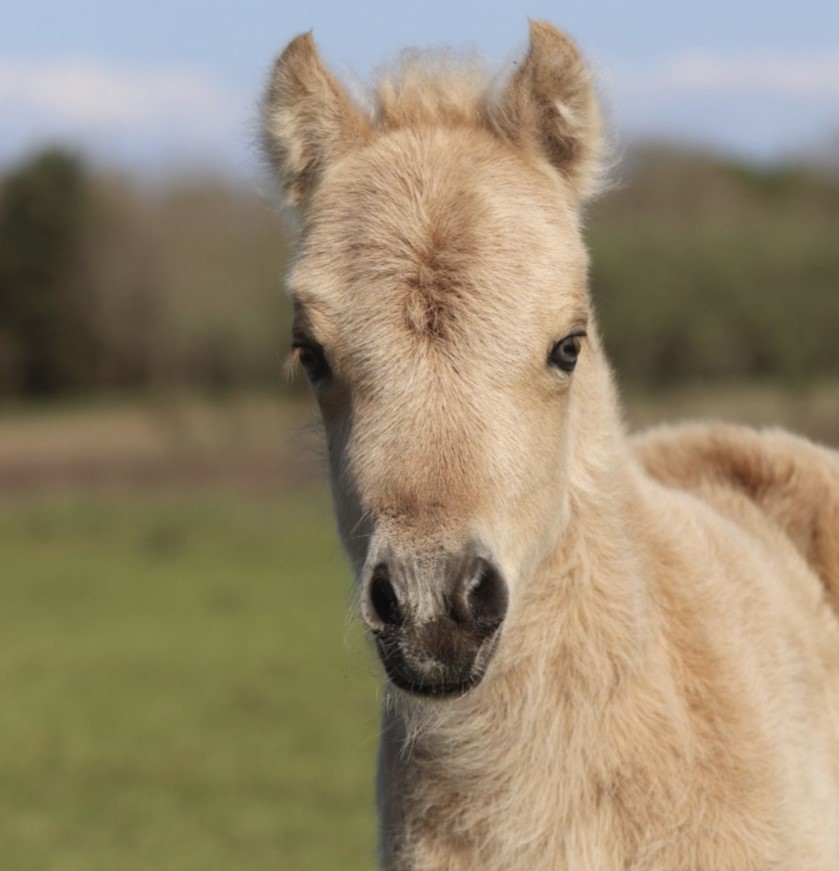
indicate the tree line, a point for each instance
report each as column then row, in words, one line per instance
column 702, row 269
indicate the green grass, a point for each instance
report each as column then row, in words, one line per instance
column 177, row 688
column 179, row 685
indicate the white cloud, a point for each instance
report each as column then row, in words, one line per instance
column 759, row 104
column 144, row 117
column 811, row 77
column 92, row 93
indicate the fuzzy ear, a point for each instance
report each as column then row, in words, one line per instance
column 550, row 105
column 308, row 120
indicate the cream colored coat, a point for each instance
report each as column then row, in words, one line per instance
column 665, row 692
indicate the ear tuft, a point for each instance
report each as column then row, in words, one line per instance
column 308, row 120
column 550, row 106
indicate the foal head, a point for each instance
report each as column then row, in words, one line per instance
column 441, row 314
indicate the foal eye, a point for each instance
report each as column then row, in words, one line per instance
column 565, row 352
column 312, row 359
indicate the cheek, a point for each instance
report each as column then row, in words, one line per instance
column 353, row 526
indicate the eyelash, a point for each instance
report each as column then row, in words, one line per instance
column 312, row 358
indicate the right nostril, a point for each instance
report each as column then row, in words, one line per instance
column 488, row 597
column 383, row 598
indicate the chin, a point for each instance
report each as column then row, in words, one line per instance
column 434, row 689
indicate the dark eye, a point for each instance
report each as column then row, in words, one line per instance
column 565, row 352
column 312, row 359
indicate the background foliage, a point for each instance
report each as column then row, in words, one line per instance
column 702, row 270
column 711, row 271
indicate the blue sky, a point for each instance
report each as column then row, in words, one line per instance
column 175, row 84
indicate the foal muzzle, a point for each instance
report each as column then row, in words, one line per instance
column 436, row 620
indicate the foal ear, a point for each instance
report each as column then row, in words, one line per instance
column 308, row 120
column 550, row 105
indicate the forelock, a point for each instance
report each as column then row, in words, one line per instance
column 432, row 87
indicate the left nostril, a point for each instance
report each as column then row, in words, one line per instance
column 488, row 598
column 383, row 598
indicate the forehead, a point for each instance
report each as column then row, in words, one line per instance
column 438, row 233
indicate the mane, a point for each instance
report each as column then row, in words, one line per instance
column 432, row 87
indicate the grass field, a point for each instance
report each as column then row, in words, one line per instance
column 178, row 691
column 181, row 688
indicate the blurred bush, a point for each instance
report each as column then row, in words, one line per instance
column 706, row 270
column 46, row 341
column 702, row 270
column 106, row 285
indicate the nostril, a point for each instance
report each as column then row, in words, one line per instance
column 487, row 598
column 383, row 598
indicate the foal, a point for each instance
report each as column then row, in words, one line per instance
column 600, row 654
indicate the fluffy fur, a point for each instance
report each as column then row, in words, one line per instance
column 665, row 691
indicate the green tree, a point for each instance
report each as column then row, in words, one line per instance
column 47, row 342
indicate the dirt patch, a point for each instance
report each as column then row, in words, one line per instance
column 253, row 443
